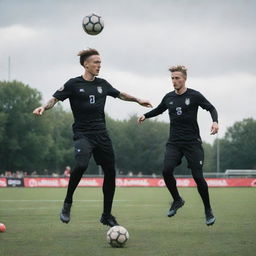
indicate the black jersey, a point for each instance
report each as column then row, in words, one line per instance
column 87, row 100
column 183, row 115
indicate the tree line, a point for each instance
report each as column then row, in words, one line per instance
column 29, row 143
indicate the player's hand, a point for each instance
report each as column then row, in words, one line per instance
column 141, row 119
column 145, row 103
column 214, row 128
column 39, row 111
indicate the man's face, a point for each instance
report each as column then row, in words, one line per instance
column 93, row 65
column 178, row 80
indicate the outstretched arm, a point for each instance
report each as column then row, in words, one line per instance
column 155, row 112
column 40, row 110
column 127, row 97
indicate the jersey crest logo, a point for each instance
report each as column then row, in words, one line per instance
column 171, row 103
column 99, row 88
column 81, row 90
column 187, row 101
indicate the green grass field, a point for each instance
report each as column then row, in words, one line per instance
column 33, row 227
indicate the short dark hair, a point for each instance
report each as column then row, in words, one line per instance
column 179, row 68
column 85, row 54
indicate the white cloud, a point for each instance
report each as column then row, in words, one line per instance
column 17, row 33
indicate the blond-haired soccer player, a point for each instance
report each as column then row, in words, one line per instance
column 184, row 139
column 87, row 96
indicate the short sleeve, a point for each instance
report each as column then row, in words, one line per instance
column 64, row 92
column 111, row 91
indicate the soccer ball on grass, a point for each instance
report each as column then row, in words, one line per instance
column 117, row 236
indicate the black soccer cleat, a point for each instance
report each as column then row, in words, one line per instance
column 109, row 220
column 65, row 213
column 176, row 204
column 209, row 217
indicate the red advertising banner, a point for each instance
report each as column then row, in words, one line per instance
column 3, row 182
column 61, row 182
column 138, row 182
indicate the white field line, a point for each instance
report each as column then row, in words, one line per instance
column 38, row 208
column 39, row 200
column 87, row 206
column 76, row 207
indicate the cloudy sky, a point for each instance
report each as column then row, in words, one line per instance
column 216, row 40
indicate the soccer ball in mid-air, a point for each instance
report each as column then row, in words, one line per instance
column 93, row 24
column 117, row 236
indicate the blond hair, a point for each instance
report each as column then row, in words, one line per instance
column 179, row 68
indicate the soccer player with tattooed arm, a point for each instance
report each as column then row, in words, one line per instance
column 87, row 96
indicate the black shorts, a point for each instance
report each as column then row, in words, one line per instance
column 97, row 144
column 194, row 154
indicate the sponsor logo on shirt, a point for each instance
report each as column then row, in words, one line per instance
column 187, row 101
column 99, row 88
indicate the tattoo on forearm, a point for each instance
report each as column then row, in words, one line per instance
column 50, row 103
column 127, row 97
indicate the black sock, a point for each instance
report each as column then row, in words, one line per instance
column 170, row 183
column 202, row 188
column 108, row 188
column 74, row 180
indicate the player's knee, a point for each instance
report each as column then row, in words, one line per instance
column 198, row 177
column 167, row 172
column 110, row 174
column 81, row 165
column 168, row 169
column 81, row 162
column 109, row 169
